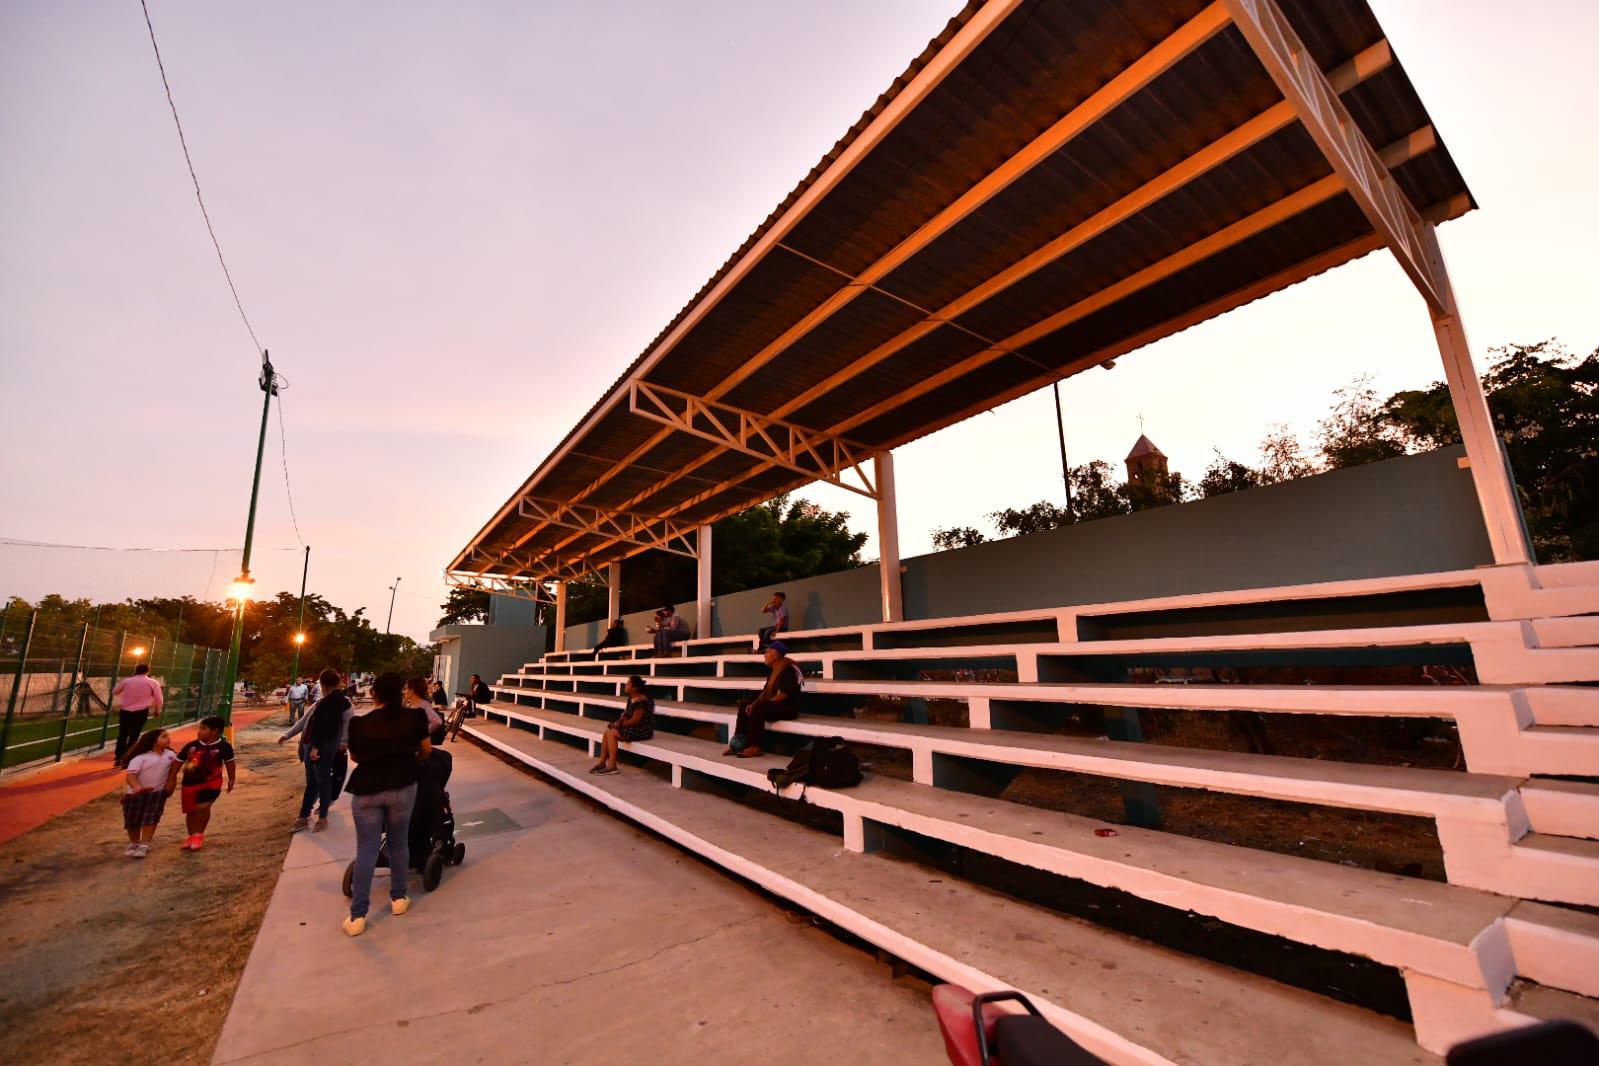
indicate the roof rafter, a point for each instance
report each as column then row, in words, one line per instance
column 1187, row 37
column 644, row 531
column 1340, row 139
column 1368, row 63
column 823, row 456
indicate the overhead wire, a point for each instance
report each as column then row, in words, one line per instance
column 283, row 445
column 187, row 159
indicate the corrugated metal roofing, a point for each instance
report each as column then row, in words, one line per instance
column 1022, row 287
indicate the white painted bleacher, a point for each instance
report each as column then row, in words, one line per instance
column 1475, row 953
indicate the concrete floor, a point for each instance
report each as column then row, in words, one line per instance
column 574, row 938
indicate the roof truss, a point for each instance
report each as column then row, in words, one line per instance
column 642, row 531
column 823, row 456
column 1340, row 139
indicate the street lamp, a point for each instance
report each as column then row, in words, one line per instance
column 239, row 590
column 138, row 652
column 299, row 638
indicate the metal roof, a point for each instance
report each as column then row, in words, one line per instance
column 1049, row 185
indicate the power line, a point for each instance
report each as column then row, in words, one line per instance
column 183, row 142
column 18, row 542
column 283, row 443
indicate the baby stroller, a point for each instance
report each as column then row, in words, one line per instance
column 431, row 839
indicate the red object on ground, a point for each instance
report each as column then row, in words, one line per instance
column 34, row 799
column 952, row 1005
column 1104, row 832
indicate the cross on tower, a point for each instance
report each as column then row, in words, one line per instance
column 1140, row 423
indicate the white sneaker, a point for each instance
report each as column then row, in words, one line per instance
column 140, row 851
column 130, row 849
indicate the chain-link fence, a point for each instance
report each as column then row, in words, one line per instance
column 56, row 680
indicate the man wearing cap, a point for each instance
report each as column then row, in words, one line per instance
column 670, row 629
column 778, row 701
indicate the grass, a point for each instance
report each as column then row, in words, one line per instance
column 34, row 738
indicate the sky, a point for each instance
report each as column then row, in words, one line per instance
column 453, row 226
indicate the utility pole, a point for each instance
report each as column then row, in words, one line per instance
column 241, row 585
column 1065, row 471
column 299, row 631
column 393, row 591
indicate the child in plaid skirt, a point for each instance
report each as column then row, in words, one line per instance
column 152, row 771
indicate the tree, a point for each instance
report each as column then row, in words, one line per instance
column 1034, row 518
column 1545, row 405
column 1283, row 457
column 464, row 605
column 1355, row 431
column 957, row 537
column 1094, row 495
column 1226, row 475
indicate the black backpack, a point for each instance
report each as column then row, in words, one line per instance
column 826, row 763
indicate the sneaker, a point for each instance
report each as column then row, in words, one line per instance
column 354, row 926
column 400, row 906
column 321, row 825
column 188, row 842
column 607, row 770
column 300, row 824
column 130, row 849
column 140, row 851
column 198, row 842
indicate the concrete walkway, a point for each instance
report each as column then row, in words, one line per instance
column 33, row 797
column 566, row 937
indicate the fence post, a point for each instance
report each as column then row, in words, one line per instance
column 111, row 693
column 16, row 685
column 72, row 692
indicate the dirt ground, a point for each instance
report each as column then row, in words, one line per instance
column 112, row 959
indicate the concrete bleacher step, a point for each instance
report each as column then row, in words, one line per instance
column 1442, row 930
column 1126, row 1000
column 1562, row 808
column 1478, row 816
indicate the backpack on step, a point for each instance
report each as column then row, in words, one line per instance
column 827, row 763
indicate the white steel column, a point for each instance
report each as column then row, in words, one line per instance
column 560, row 616
column 888, row 537
column 702, row 593
column 613, row 599
column 1490, row 470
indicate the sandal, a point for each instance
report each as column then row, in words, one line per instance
column 751, row 753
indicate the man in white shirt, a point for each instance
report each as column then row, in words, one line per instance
column 298, row 693
column 136, row 697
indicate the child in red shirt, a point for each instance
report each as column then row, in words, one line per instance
column 204, row 760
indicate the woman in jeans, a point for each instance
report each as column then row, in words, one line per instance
column 388, row 744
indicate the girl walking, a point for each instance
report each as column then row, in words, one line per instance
column 152, row 772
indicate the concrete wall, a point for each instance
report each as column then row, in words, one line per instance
column 1415, row 514
column 465, row 650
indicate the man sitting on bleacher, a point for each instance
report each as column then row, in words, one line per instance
column 670, row 629
column 779, row 700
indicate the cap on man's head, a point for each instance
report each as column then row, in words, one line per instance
column 779, row 647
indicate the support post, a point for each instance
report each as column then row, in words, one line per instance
column 613, row 594
column 17, row 682
column 110, row 694
column 888, row 538
column 702, row 584
column 299, row 626
column 230, row 676
column 72, row 692
column 560, row 616
column 1490, row 468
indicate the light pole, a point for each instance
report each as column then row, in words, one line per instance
column 393, row 590
column 240, row 589
column 1065, row 471
column 299, row 635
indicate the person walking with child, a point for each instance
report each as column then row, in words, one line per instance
column 204, row 759
column 636, row 723
column 388, row 745
column 136, row 698
column 152, row 773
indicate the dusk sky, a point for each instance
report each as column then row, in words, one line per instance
column 454, row 225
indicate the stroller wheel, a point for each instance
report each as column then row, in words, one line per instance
column 349, row 880
column 458, row 854
column 432, row 871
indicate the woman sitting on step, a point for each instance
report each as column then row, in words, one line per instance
column 636, row 723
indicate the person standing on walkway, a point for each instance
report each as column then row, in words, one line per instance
column 135, row 697
column 298, row 692
column 388, row 744
column 324, row 737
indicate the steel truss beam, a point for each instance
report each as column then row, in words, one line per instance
column 644, row 531
column 1328, row 122
column 521, row 588
column 823, row 456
